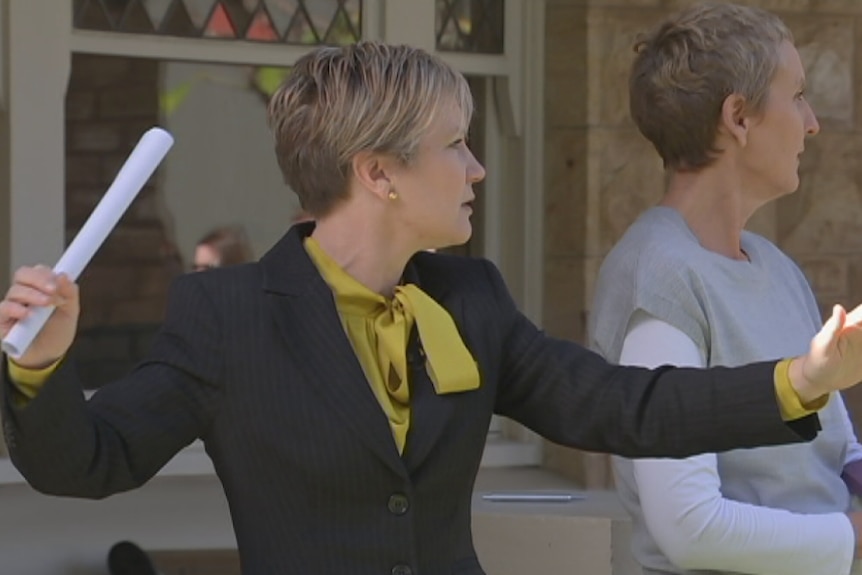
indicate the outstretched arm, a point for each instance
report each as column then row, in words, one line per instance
column 574, row 397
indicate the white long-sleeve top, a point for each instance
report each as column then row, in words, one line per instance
column 692, row 522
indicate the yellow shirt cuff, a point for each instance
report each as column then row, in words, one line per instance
column 789, row 403
column 30, row 381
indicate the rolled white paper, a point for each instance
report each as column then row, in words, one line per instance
column 139, row 166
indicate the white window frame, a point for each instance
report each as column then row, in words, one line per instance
column 37, row 40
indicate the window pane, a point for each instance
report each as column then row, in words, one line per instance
column 221, row 171
column 470, row 26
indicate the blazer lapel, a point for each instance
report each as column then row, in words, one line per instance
column 430, row 413
column 305, row 312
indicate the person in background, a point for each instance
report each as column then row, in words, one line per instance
column 302, row 216
column 222, row 246
column 719, row 90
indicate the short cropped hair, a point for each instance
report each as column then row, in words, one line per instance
column 339, row 101
column 686, row 68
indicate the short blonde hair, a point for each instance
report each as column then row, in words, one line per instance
column 339, row 101
column 687, row 66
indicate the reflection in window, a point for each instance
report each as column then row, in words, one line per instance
column 289, row 21
column 470, row 26
column 221, row 171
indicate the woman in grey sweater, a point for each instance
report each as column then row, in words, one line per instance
column 718, row 90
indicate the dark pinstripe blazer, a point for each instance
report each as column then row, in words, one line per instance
column 254, row 361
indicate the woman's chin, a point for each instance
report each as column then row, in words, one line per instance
column 464, row 234
column 457, row 238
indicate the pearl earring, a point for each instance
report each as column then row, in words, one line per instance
column 393, row 195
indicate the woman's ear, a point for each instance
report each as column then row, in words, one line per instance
column 372, row 171
column 734, row 121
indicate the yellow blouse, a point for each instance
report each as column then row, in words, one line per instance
column 378, row 328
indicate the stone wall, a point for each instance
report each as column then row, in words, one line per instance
column 601, row 173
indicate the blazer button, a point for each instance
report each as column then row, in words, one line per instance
column 398, row 505
column 402, row 570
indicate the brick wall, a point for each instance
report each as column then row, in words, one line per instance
column 110, row 103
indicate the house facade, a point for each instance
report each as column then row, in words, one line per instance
column 81, row 80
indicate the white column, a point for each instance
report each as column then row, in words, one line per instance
column 410, row 22
column 373, row 18
column 34, row 36
column 4, row 147
column 533, row 81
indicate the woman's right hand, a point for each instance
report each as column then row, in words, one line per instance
column 39, row 286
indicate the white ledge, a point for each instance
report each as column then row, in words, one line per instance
column 192, row 461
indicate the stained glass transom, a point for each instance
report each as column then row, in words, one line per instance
column 470, row 26
column 287, row 21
